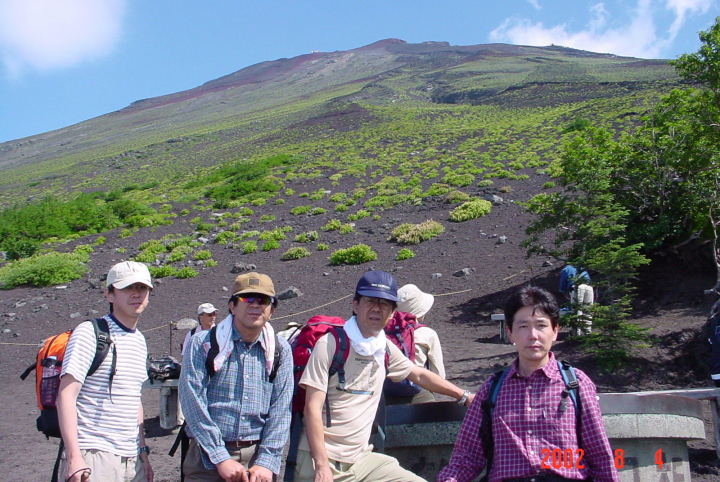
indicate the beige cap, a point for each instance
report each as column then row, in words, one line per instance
column 413, row 300
column 206, row 308
column 253, row 283
column 127, row 273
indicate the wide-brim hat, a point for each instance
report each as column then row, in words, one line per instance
column 253, row 283
column 127, row 273
column 414, row 300
column 377, row 284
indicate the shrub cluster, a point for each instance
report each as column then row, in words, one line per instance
column 295, row 253
column 404, row 253
column 470, row 210
column 360, row 253
column 408, row 233
column 45, row 269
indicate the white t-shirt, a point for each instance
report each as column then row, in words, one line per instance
column 108, row 421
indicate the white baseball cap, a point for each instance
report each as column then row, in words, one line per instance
column 127, row 273
column 206, row 308
column 413, row 300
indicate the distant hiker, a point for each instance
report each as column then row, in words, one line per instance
column 428, row 353
column 576, row 287
column 101, row 416
column 290, row 331
column 339, row 450
column 206, row 315
column 533, row 410
column 235, row 389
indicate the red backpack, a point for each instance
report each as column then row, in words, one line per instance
column 401, row 331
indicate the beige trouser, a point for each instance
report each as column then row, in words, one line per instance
column 107, row 467
column 583, row 295
column 370, row 467
column 195, row 470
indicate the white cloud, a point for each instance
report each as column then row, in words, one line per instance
column 681, row 8
column 637, row 38
column 51, row 34
column 535, row 4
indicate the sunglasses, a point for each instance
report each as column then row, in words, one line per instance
column 263, row 300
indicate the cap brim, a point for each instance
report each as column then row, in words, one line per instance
column 254, row 291
column 125, row 283
column 377, row 294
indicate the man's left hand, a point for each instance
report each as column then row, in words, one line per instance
column 259, row 473
column 470, row 399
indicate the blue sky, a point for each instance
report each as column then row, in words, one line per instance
column 65, row 61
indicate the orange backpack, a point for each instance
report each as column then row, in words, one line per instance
column 48, row 367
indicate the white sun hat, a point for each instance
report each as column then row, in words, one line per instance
column 413, row 300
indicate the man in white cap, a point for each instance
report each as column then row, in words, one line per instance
column 206, row 314
column 428, row 353
column 101, row 415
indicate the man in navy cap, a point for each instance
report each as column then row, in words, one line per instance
column 341, row 450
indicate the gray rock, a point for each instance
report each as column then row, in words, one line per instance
column 464, row 273
column 7, row 330
column 436, row 275
column 225, row 288
column 241, row 267
column 10, row 315
column 61, row 287
column 291, row 292
column 75, row 315
column 502, row 240
column 20, row 303
column 203, row 240
column 546, row 264
column 494, row 199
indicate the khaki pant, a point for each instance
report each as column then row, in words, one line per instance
column 107, row 467
column 370, row 467
column 195, row 470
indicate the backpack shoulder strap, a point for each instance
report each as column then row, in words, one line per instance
column 337, row 364
column 276, row 361
column 212, row 353
column 572, row 387
column 488, row 407
column 103, row 343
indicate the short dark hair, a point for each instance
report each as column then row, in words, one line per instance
column 537, row 299
column 110, row 289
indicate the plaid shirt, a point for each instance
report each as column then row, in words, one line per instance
column 528, row 425
column 238, row 402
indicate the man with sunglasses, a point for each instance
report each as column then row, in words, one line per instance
column 340, row 450
column 235, row 390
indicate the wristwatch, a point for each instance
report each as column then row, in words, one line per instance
column 144, row 450
column 463, row 399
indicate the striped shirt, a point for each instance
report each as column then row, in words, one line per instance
column 238, row 402
column 528, row 425
column 106, row 423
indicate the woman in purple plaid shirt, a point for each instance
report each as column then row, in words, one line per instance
column 533, row 424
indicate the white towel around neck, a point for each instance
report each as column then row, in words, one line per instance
column 373, row 346
column 223, row 333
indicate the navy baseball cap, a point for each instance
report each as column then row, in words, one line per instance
column 377, row 284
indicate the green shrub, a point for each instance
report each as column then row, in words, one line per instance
column 360, row 253
column 100, row 240
column 346, row 228
column 485, row 183
column 261, row 201
column 202, row 255
column 279, row 201
column 459, row 179
column 289, row 192
column 505, row 189
column 362, row 213
column 317, row 195
column 341, row 208
column 316, row 211
column 323, row 247
column 404, row 254
column 470, row 210
column 126, row 232
column 249, row 234
column 408, row 233
column 277, row 234
column 338, row 197
column 210, row 263
column 178, row 254
column 307, row 237
column 43, row 270
column 548, row 185
column 295, row 253
column 270, row 245
column 186, row 272
column 120, row 250
column 298, row 210
column 454, row 197
column 225, row 237
column 184, row 212
column 332, row 225
column 266, row 218
column 162, row 271
column 248, row 247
